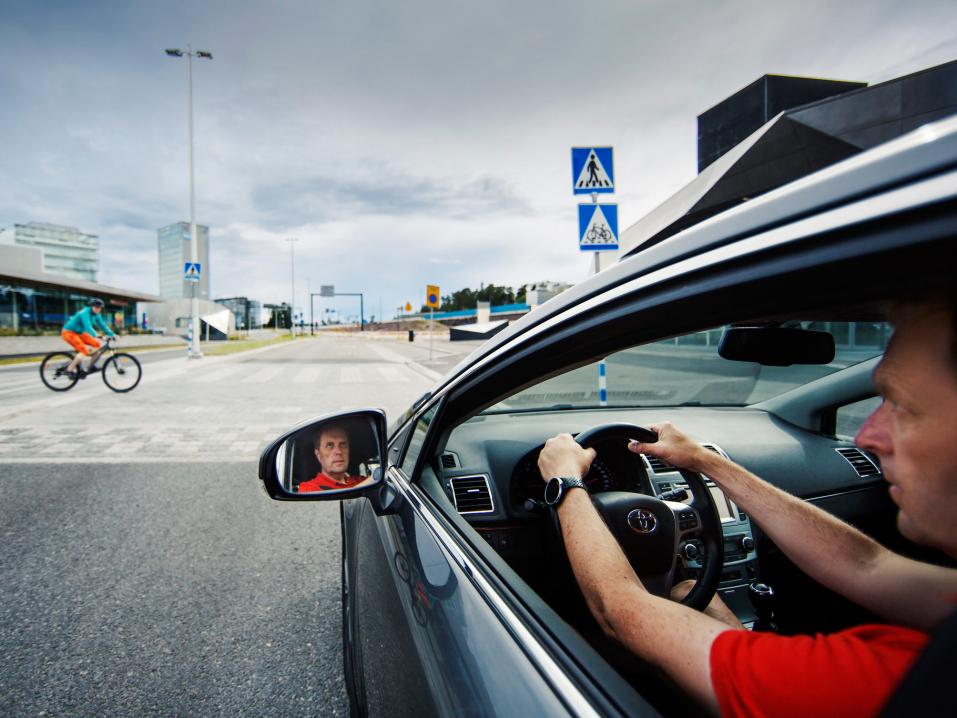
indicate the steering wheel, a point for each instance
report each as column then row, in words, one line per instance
column 651, row 531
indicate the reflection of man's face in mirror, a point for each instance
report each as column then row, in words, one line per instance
column 332, row 450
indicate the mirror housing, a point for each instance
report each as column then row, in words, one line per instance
column 776, row 346
column 352, row 444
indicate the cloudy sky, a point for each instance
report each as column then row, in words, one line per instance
column 402, row 143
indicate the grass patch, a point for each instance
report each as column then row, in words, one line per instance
column 242, row 345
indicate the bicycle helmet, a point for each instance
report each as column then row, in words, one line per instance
column 96, row 303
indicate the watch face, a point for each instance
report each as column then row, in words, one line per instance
column 553, row 491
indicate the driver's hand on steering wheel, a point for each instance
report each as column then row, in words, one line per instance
column 562, row 456
column 673, row 447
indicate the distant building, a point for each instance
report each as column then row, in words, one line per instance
column 248, row 312
column 544, row 291
column 779, row 129
column 67, row 252
column 174, row 252
column 34, row 301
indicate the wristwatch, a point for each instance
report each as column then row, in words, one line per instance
column 558, row 486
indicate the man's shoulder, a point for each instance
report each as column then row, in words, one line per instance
column 840, row 672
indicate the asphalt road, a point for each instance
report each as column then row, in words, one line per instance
column 143, row 571
column 145, row 589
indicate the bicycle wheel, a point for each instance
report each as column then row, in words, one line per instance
column 53, row 371
column 122, row 372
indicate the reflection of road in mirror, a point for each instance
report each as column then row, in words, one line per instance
column 331, row 455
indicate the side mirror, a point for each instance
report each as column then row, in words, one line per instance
column 776, row 346
column 334, row 457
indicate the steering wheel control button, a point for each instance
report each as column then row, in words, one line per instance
column 690, row 551
column 642, row 521
column 687, row 520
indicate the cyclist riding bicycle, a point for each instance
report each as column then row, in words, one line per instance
column 79, row 332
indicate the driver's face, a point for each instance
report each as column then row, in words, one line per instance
column 333, row 453
column 913, row 431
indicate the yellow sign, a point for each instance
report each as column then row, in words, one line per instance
column 408, row 306
column 432, row 298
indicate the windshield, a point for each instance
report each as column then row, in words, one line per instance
column 687, row 371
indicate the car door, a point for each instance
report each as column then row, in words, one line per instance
column 425, row 631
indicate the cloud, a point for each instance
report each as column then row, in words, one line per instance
column 402, row 143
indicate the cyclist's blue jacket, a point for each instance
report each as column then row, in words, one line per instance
column 84, row 320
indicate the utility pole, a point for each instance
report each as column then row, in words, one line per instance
column 194, row 348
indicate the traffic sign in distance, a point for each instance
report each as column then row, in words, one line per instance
column 408, row 306
column 192, row 271
column 432, row 298
column 597, row 227
column 327, row 290
column 593, row 170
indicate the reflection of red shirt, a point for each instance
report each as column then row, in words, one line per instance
column 848, row 673
column 321, row 482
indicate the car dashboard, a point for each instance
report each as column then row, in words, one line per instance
column 489, row 471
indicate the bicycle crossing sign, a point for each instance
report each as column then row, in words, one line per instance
column 593, row 170
column 192, row 271
column 597, row 227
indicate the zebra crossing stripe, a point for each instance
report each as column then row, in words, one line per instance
column 307, row 375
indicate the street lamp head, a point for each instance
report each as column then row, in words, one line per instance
column 203, row 53
column 173, row 52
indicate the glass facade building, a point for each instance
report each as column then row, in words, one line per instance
column 33, row 310
column 173, row 242
column 67, row 252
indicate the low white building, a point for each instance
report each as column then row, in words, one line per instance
column 172, row 317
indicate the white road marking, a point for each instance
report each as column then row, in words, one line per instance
column 350, row 375
column 307, row 375
column 393, row 374
column 263, row 375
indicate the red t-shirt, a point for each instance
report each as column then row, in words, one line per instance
column 321, row 482
column 848, row 673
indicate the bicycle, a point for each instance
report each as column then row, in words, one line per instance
column 121, row 371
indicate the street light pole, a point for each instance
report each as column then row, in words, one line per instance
column 292, row 282
column 194, row 349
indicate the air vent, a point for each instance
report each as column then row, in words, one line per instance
column 657, row 465
column 471, row 494
column 449, row 460
column 862, row 463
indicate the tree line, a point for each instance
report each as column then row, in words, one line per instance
column 467, row 298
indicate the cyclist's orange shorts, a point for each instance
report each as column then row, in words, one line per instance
column 80, row 341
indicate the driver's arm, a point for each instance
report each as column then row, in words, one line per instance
column 670, row 635
column 832, row 552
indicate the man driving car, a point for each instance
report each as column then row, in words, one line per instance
column 331, row 448
column 851, row 672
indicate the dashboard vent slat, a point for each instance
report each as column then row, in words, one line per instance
column 471, row 494
column 449, row 460
column 863, row 464
column 657, row 465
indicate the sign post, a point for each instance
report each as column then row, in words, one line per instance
column 432, row 295
column 593, row 172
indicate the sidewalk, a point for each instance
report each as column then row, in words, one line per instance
column 37, row 346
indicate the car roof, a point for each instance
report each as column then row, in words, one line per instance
column 927, row 151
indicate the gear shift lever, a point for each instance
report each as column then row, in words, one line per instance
column 762, row 598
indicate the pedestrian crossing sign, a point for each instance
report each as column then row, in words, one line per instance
column 593, row 170
column 192, row 271
column 597, row 227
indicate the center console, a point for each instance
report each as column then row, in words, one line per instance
column 740, row 560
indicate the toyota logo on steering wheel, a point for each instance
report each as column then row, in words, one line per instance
column 642, row 521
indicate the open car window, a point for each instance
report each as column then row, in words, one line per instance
column 687, row 371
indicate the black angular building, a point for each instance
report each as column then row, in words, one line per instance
column 778, row 129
